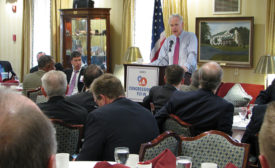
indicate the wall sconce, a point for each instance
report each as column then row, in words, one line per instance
column 13, row 8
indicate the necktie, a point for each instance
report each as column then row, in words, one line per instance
column 176, row 52
column 72, row 84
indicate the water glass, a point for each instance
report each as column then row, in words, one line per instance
column 242, row 112
column 121, row 154
column 184, row 162
column 62, row 160
column 209, row 165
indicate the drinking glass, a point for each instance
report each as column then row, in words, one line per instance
column 242, row 112
column 121, row 154
column 62, row 160
column 184, row 162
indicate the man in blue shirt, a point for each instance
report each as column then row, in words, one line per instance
column 179, row 48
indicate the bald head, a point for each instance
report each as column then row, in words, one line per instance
column 25, row 133
column 210, row 76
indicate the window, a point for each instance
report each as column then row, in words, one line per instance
column 41, row 29
column 143, row 27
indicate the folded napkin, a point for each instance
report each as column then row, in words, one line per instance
column 10, row 81
column 105, row 164
column 230, row 165
column 163, row 160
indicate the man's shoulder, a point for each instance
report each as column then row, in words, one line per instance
column 37, row 74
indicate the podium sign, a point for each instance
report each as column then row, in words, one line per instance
column 139, row 80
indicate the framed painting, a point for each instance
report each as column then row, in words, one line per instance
column 226, row 40
column 226, row 6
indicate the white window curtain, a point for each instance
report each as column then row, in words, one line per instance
column 41, row 29
column 143, row 27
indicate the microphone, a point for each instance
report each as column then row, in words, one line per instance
column 171, row 42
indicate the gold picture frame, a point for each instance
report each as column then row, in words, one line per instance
column 226, row 40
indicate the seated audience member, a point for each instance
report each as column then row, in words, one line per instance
column 267, row 138
column 253, row 128
column 57, row 65
column 27, row 136
column 194, row 83
column 159, row 95
column 267, row 95
column 33, row 80
column 85, row 99
column 75, row 75
column 5, row 66
column 54, row 86
column 117, row 122
column 201, row 108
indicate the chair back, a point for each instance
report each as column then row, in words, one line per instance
column 33, row 93
column 68, row 137
column 216, row 147
column 152, row 149
column 175, row 124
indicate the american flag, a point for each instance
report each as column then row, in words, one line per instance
column 158, row 33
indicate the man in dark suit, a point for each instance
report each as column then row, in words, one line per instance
column 117, row 122
column 5, row 66
column 201, row 108
column 267, row 95
column 75, row 75
column 54, row 86
column 253, row 128
column 85, row 99
column 159, row 95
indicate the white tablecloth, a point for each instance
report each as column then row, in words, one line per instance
column 83, row 164
column 239, row 127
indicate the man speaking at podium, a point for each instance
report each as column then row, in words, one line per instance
column 179, row 48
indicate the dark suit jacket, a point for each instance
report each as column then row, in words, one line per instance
column 80, row 84
column 58, row 108
column 253, row 128
column 58, row 67
column 84, row 99
column 7, row 67
column 267, row 95
column 201, row 108
column 158, row 95
column 120, row 123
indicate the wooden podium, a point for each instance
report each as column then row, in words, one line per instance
column 139, row 79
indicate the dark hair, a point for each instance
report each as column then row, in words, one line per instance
column 174, row 74
column 75, row 54
column 44, row 60
column 107, row 85
column 91, row 73
column 210, row 76
column 27, row 135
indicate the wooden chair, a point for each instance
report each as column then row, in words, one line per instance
column 33, row 93
column 36, row 95
column 175, row 124
column 68, row 137
column 215, row 146
column 152, row 149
